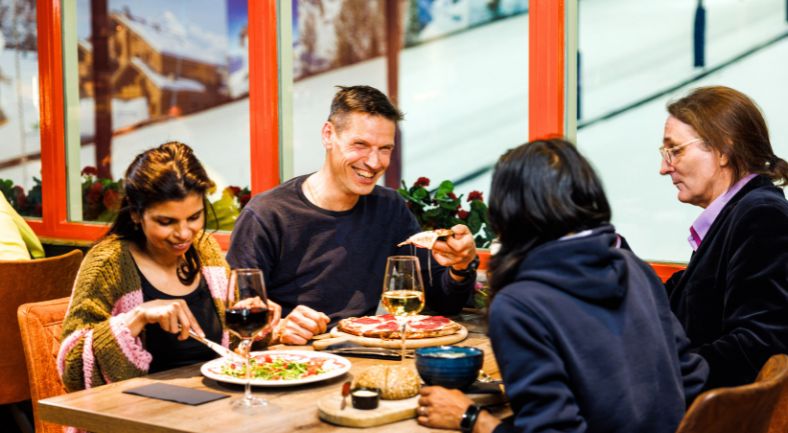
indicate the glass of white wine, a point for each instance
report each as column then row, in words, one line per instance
column 403, row 290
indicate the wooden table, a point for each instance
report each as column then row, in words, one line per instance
column 107, row 409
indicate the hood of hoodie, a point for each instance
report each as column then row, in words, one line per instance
column 588, row 266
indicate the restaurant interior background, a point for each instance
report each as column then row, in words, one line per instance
column 77, row 107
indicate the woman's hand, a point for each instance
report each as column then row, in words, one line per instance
column 442, row 408
column 173, row 315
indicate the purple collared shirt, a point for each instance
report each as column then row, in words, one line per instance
column 704, row 221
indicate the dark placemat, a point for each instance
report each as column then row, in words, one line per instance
column 178, row 394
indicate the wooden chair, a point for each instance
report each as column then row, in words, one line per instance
column 22, row 282
column 41, row 325
column 746, row 408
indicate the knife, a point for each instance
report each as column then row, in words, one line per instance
column 369, row 352
column 216, row 347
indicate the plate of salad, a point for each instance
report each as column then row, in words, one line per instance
column 278, row 368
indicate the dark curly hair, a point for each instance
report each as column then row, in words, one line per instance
column 168, row 172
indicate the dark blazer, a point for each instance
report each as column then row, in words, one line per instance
column 733, row 297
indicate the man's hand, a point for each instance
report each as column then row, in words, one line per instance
column 301, row 325
column 442, row 408
column 457, row 251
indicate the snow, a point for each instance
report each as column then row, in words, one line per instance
column 179, row 39
column 125, row 113
column 465, row 98
column 168, row 83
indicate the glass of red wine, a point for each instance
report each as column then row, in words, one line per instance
column 246, row 316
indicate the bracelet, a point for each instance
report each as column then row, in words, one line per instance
column 468, row 419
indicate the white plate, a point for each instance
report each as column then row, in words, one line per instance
column 333, row 366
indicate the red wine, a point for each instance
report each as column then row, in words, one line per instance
column 245, row 322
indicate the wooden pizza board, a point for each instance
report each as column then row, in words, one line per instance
column 388, row 411
column 339, row 336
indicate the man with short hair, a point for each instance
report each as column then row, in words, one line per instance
column 322, row 239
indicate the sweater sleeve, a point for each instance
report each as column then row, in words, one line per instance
column 97, row 346
column 755, row 318
column 537, row 383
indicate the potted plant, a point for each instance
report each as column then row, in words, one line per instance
column 442, row 208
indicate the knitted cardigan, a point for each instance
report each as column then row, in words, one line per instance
column 97, row 346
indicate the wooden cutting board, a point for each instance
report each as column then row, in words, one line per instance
column 388, row 411
column 339, row 336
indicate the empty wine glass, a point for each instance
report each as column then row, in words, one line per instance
column 245, row 315
column 403, row 290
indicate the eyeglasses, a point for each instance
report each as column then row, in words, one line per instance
column 668, row 153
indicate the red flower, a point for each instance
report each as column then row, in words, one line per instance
column 475, row 195
column 245, row 199
column 94, row 193
column 19, row 197
column 422, row 181
column 112, row 200
column 463, row 214
column 89, row 171
column 452, row 196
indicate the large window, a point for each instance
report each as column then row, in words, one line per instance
column 20, row 145
column 460, row 76
column 143, row 72
column 635, row 56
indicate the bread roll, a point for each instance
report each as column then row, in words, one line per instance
column 395, row 382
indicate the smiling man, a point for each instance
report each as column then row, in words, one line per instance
column 322, row 239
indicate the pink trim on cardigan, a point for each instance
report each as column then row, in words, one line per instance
column 88, row 360
column 127, row 302
column 66, row 346
column 216, row 278
column 131, row 346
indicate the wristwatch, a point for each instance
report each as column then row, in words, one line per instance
column 468, row 419
column 469, row 271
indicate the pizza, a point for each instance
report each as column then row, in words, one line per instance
column 386, row 326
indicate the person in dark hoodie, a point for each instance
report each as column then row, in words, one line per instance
column 581, row 328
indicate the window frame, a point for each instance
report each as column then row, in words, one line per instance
column 546, row 83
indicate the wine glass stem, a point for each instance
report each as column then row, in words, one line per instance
column 402, row 337
column 247, row 356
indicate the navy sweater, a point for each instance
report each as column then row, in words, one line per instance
column 586, row 342
column 334, row 262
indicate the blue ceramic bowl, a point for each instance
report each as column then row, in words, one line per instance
column 449, row 366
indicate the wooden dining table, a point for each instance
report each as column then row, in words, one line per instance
column 108, row 409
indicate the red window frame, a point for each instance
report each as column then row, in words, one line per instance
column 546, row 104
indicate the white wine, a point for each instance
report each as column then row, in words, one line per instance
column 403, row 302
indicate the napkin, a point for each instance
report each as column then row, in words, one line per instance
column 178, row 394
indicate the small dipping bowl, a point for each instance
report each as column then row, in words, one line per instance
column 449, row 366
column 365, row 398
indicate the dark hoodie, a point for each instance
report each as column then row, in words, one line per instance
column 586, row 342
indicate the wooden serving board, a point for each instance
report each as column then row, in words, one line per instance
column 339, row 336
column 388, row 411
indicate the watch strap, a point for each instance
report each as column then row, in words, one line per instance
column 468, row 419
column 469, row 271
